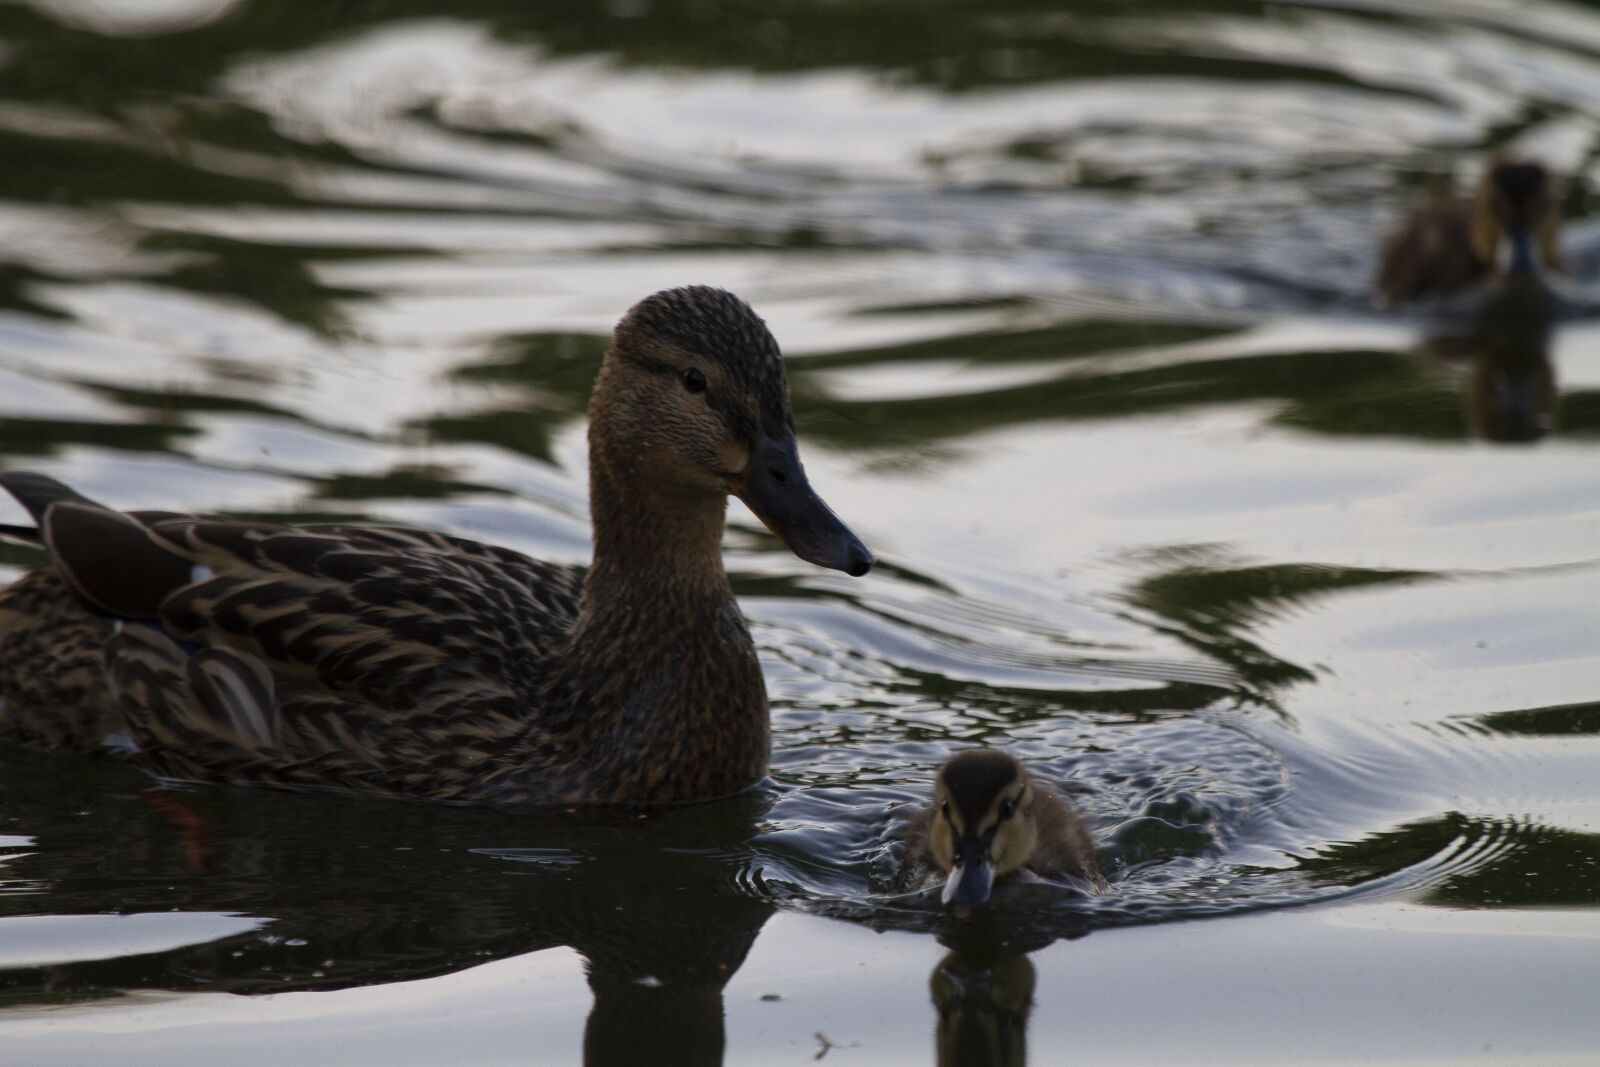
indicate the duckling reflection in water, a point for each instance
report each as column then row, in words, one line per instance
column 1446, row 248
column 983, row 1001
column 990, row 820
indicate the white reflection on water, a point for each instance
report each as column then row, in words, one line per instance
column 39, row 940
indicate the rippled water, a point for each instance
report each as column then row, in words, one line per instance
column 1076, row 300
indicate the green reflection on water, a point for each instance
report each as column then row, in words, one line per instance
column 1487, row 863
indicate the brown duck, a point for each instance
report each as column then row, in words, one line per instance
column 1446, row 247
column 404, row 662
column 990, row 820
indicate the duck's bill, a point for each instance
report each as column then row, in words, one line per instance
column 774, row 486
column 968, row 885
column 1524, row 249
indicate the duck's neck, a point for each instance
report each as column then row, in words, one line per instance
column 651, row 540
column 660, row 689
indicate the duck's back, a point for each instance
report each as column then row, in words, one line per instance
column 1065, row 845
column 329, row 655
column 1430, row 254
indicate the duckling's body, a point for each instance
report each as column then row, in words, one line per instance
column 989, row 820
column 1447, row 247
column 415, row 663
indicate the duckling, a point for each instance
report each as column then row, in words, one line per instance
column 1444, row 248
column 419, row 664
column 989, row 819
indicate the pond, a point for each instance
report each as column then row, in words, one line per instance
column 1076, row 304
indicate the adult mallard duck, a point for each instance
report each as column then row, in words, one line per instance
column 1445, row 248
column 990, row 820
column 413, row 663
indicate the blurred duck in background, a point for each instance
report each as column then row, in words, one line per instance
column 1449, row 246
column 1483, row 262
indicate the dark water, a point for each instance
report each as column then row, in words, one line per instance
column 1076, row 300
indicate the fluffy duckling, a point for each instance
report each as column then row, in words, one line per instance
column 1444, row 248
column 989, row 819
column 413, row 663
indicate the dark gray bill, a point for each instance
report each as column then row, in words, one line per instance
column 970, row 879
column 1524, row 251
column 775, row 488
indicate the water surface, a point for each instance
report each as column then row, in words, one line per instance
column 1076, row 300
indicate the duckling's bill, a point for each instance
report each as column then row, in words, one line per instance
column 773, row 484
column 971, row 878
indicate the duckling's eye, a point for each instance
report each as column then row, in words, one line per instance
column 1008, row 808
column 694, row 381
column 944, row 809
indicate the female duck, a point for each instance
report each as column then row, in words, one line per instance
column 1447, row 247
column 415, row 663
column 989, row 819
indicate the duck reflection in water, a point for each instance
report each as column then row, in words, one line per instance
column 1511, row 381
column 989, row 819
column 360, row 893
column 983, row 996
column 1479, row 268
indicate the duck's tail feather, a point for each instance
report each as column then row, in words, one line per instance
column 27, row 534
column 108, row 558
column 37, row 492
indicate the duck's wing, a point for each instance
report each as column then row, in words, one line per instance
column 917, row 864
column 280, row 645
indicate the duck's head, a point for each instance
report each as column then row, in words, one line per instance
column 693, row 402
column 983, row 824
column 1517, row 204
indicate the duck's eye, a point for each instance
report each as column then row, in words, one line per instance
column 694, row 381
column 1008, row 808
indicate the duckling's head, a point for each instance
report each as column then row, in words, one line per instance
column 1517, row 203
column 983, row 823
column 693, row 401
